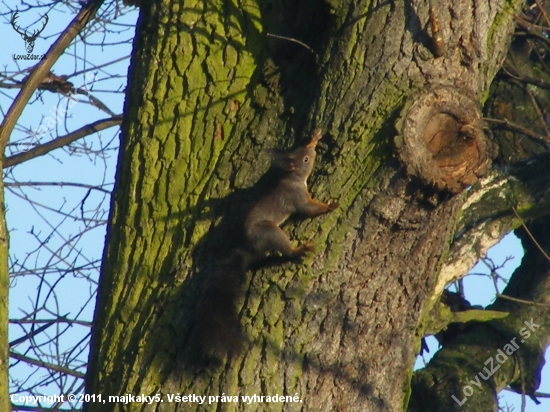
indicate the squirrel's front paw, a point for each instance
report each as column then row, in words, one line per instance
column 304, row 249
column 332, row 206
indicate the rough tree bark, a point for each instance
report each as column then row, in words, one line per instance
column 475, row 365
column 213, row 83
column 4, row 288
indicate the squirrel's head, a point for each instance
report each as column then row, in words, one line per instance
column 299, row 162
column 302, row 161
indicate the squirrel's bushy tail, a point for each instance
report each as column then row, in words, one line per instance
column 217, row 323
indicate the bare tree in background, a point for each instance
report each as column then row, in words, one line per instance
column 58, row 171
column 338, row 357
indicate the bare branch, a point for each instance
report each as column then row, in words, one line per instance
column 487, row 218
column 87, row 12
column 530, row 235
column 47, row 365
column 31, row 334
column 62, row 141
column 60, row 184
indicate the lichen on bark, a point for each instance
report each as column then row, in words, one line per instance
column 340, row 330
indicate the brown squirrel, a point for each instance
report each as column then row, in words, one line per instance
column 290, row 197
column 217, row 319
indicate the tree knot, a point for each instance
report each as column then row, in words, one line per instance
column 442, row 140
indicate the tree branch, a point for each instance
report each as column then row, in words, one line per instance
column 488, row 215
column 86, row 14
column 515, row 345
column 62, row 141
column 51, row 366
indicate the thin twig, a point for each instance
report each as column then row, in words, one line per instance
column 292, row 40
column 60, row 184
column 527, row 79
column 60, row 320
column 543, row 13
column 520, row 129
column 41, row 70
column 47, row 365
column 537, row 110
column 530, row 235
column 527, row 302
column 32, row 333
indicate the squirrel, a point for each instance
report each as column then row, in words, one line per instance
column 217, row 317
column 291, row 196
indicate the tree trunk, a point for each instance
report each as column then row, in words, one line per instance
column 212, row 84
column 5, row 404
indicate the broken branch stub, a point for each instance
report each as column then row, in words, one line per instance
column 442, row 140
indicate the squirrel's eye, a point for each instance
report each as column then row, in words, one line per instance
column 306, row 159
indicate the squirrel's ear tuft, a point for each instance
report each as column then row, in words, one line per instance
column 315, row 137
